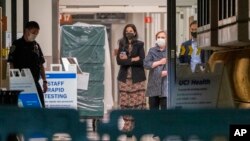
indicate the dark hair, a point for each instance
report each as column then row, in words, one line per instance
column 161, row 31
column 133, row 27
column 123, row 42
column 193, row 22
column 32, row 24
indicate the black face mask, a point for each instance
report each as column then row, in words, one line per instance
column 130, row 35
column 194, row 34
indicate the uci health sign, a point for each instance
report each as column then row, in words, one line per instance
column 196, row 90
column 62, row 89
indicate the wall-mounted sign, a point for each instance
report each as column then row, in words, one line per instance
column 65, row 18
column 4, row 23
column 148, row 19
column 196, row 90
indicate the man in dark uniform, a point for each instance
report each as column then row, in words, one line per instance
column 25, row 52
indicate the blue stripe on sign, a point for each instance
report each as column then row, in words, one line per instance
column 63, row 76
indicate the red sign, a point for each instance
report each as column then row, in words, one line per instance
column 4, row 23
column 65, row 18
column 148, row 19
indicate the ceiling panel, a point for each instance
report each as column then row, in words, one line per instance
column 125, row 2
column 118, row 6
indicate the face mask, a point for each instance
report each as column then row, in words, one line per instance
column 194, row 34
column 161, row 42
column 130, row 35
column 32, row 37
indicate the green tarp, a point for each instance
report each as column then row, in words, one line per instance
column 86, row 43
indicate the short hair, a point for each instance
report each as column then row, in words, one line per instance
column 161, row 31
column 193, row 22
column 32, row 24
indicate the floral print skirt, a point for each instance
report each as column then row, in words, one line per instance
column 131, row 96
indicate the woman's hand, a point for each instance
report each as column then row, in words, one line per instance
column 163, row 61
column 123, row 56
column 135, row 59
column 164, row 73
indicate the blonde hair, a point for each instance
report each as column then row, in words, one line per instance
column 161, row 31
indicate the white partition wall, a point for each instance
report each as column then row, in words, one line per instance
column 44, row 18
column 38, row 13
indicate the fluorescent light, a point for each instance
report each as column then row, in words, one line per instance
column 116, row 9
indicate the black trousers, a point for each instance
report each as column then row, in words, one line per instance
column 40, row 94
column 158, row 103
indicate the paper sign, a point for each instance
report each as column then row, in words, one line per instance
column 70, row 60
column 83, row 81
column 82, row 77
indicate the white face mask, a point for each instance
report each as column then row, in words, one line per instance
column 32, row 37
column 161, row 42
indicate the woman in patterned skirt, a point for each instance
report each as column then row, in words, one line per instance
column 131, row 77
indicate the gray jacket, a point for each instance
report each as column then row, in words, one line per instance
column 157, row 85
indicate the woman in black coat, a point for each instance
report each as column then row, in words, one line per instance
column 131, row 77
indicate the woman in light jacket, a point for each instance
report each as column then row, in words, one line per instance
column 156, row 63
